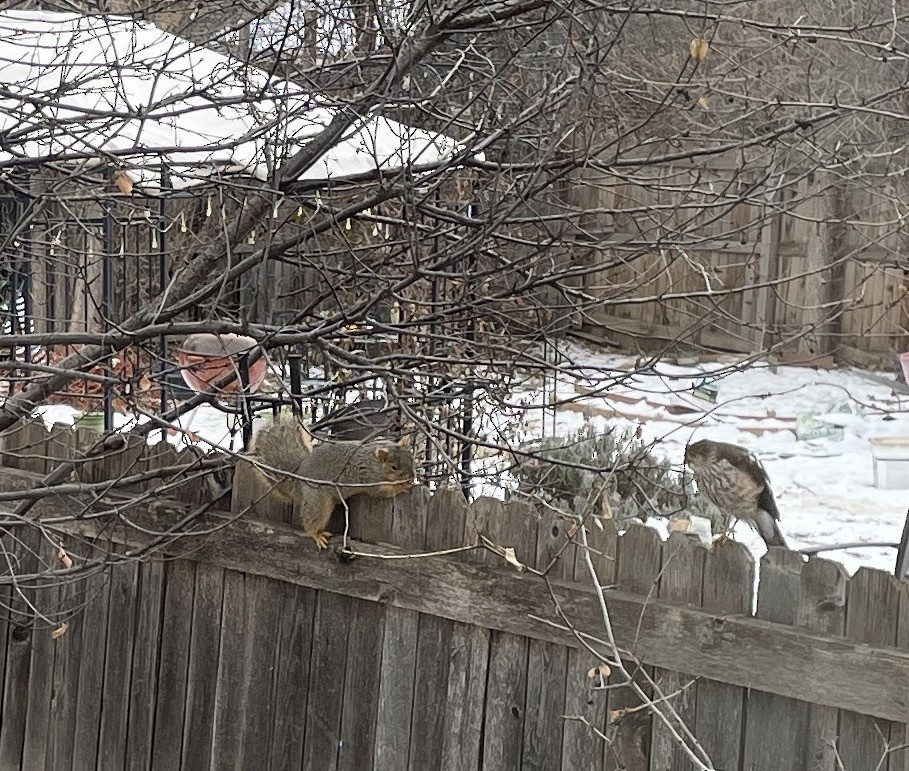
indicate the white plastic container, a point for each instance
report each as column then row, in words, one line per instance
column 890, row 456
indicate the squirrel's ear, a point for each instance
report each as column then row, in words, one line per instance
column 404, row 441
column 382, row 454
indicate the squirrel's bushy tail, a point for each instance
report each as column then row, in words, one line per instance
column 282, row 444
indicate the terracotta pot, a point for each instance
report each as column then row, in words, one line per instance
column 206, row 358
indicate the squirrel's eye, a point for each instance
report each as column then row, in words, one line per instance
column 394, row 467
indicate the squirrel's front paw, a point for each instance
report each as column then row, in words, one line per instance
column 321, row 539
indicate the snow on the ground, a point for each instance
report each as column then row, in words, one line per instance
column 824, row 488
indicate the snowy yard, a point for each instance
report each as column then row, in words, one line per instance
column 824, row 487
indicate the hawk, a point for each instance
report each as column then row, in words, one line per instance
column 736, row 483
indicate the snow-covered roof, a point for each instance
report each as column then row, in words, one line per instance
column 76, row 87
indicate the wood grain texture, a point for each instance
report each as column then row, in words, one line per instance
column 727, row 645
column 143, row 693
column 294, row 646
column 682, row 582
column 640, row 556
column 94, row 619
column 118, row 666
column 446, row 520
column 547, row 663
column 822, row 608
column 204, row 666
column 399, row 644
column 776, row 727
column 514, row 526
column 38, row 725
column 727, row 589
column 331, row 631
column 872, row 616
column 173, row 663
column 585, row 698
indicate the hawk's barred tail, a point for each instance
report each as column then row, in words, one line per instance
column 769, row 529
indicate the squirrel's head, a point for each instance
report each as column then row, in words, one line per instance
column 397, row 462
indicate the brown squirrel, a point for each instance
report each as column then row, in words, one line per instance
column 316, row 479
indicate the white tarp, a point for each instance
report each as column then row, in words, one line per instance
column 82, row 88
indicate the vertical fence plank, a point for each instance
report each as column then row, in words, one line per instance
column 176, row 627
column 872, row 613
column 292, row 676
column 547, row 663
column 681, row 582
column 227, row 666
column 822, row 608
column 463, row 727
column 513, row 525
column 728, row 588
column 203, row 670
column 444, row 529
column 66, row 678
column 399, row 645
column 361, row 686
column 265, row 603
column 331, row 631
column 19, row 551
column 639, row 561
column 143, row 683
column 91, row 671
column 372, row 521
column 775, row 726
column 584, row 697
column 118, row 667
column 899, row 756
column 41, row 670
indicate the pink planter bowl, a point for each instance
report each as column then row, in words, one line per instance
column 206, row 358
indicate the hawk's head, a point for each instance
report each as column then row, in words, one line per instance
column 698, row 452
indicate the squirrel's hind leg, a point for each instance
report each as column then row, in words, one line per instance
column 321, row 538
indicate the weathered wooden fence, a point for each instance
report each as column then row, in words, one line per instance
column 240, row 646
column 819, row 264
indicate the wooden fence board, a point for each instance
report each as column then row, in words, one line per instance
column 638, row 571
column 585, row 698
column 775, row 726
column 143, row 691
column 547, row 663
column 463, row 729
column 822, row 607
column 468, row 655
column 506, row 684
column 359, row 713
column 399, row 645
column 264, row 611
column 331, row 631
column 94, row 618
column 173, row 663
column 66, row 679
column 19, row 550
column 41, row 670
column 226, row 664
column 214, row 589
column 445, row 524
column 728, row 588
column 681, row 581
column 292, row 677
column 118, row 667
column 872, row 612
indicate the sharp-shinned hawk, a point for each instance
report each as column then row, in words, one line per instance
column 737, row 484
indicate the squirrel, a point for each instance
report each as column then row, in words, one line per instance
column 317, row 478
